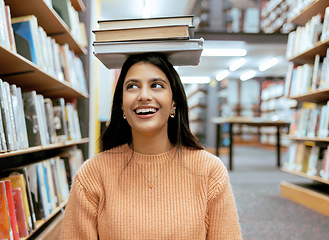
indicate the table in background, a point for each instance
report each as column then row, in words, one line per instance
column 257, row 122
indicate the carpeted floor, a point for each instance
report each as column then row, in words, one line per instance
column 264, row 214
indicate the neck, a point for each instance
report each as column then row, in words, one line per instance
column 151, row 146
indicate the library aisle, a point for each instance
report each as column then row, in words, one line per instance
column 263, row 213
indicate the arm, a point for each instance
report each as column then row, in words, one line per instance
column 80, row 221
column 222, row 217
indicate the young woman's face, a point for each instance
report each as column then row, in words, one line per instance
column 147, row 100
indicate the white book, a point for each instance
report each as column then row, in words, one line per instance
column 312, row 163
column 325, row 26
column 315, row 75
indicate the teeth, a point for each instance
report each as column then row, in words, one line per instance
column 145, row 110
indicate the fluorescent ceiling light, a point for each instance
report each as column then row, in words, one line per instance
column 247, row 75
column 147, row 9
column 222, row 75
column 188, row 80
column 237, row 64
column 224, row 52
column 268, row 64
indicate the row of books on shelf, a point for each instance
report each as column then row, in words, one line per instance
column 306, row 37
column 311, row 120
column 29, row 195
column 297, row 6
column 28, row 119
column 24, row 36
column 308, row 158
column 308, row 77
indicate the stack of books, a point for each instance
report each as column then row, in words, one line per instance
column 115, row 40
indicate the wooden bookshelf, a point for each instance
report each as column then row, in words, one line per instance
column 309, row 55
column 48, row 19
column 317, row 6
column 43, row 148
column 307, row 197
column 16, row 69
column 314, row 196
column 78, row 5
column 317, row 96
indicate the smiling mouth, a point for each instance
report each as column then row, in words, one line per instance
column 145, row 111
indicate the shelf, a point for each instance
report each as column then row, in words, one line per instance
column 78, row 5
column 41, row 223
column 48, row 19
column 16, row 69
column 317, row 6
column 43, row 148
column 317, row 96
column 309, row 55
column 304, row 195
column 304, row 175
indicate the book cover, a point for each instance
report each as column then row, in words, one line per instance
column 60, row 119
column 49, row 111
column 32, row 118
column 175, row 57
column 149, row 33
column 6, row 117
column 22, row 123
column 11, row 209
column 11, row 115
column 4, row 37
column 3, row 142
column 42, row 119
column 32, row 180
column 145, row 22
column 312, row 163
column 56, row 178
column 25, row 33
column 42, row 190
column 10, row 30
column 5, row 227
column 20, row 214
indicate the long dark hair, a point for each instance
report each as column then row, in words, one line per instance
column 118, row 131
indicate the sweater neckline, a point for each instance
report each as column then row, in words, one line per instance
column 148, row 158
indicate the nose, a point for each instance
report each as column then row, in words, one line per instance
column 144, row 95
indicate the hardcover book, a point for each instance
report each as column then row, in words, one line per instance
column 5, row 227
column 145, row 22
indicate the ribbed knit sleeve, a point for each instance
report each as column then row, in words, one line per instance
column 80, row 221
column 222, row 218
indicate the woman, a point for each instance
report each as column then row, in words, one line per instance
column 153, row 179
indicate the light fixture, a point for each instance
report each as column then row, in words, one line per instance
column 222, row 75
column 237, row 64
column 268, row 64
column 208, row 52
column 247, row 75
column 189, row 80
column 147, row 9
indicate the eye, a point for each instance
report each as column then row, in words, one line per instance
column 131, row 86
column 157, row 85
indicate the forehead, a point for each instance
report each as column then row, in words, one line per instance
column 144, row 71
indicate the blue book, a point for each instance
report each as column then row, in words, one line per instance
column 25, row 37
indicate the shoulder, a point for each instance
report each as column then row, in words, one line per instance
column 207, row 163
column 103, row 163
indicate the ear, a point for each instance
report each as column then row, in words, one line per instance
column 173, row 104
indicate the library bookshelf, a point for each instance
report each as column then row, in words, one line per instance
column 316, row 195
column 28, row 76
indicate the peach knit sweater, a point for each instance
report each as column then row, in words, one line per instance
column 191, row 198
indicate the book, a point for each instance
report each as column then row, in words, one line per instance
column 5, row 227
column 49, row 111
column 10, row 30
column 11, row 115
column 60, row 119
column 32, row 119
column 146, row 33
column 145, row 22
column 26, row 37
column 11, row 210
column 6, row 117
column 4, row 36
column 20, row 214
column 156, row 45
column 42, row 190
column 175, row 57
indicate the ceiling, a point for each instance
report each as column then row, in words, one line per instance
column 257, row 52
